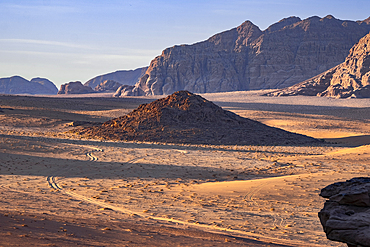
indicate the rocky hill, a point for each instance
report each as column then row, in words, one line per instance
column 75, row 87
column 127, row 77
column 19, row 85
column 246, row 58
column 184, row 117
column 349, row 79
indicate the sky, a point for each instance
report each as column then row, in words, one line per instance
column 76, row 40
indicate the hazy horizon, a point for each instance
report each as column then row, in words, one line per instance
column 77, row 40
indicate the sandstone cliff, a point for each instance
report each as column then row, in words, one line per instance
column 349, row 79
column 107, row 86
column 127, row 77
column 246, row 58
column 75, row 87
column 19, row 85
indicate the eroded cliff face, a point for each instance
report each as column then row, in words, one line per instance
column 74, row 87
column 246, row 58
column 349, row 79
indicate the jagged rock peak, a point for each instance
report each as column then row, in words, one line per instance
column 283, row 23
column 329, row 17
column 246, row 58
column 366, row 21
column 349, row 79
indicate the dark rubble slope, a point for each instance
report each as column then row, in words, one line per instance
column 184, row 117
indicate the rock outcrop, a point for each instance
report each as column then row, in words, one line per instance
column 126, row 77
column 246, row 58
column 107, row 86
column 123, row 91
column 349, row 79
column 19, row 85
column 346, row 214
column 47, row 84
column 184, row 117
column 75, row 87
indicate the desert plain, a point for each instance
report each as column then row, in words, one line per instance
column 61, row 189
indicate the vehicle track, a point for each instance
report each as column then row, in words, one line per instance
column 90, row 154
column 204, row 227
column 52, row 181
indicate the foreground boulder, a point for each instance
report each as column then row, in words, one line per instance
column 75, row 87
column 346, row 214
column 349, row 79
column 184, row 117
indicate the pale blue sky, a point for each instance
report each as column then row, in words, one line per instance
column 69, row 40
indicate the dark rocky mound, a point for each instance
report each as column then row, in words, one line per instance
column 75, row 87
column 349, row 79
column 346, row 214
column 184, row 117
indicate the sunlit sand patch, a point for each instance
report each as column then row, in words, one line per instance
column 361, row 150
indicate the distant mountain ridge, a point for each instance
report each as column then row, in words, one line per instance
column 246, row 58
column 349, row 79
column 125, row 77
column 19, row 85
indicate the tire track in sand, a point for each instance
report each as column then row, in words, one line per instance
column 203, row 227
column 90, row 154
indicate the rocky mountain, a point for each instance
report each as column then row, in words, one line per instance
column 75, row 87
column 107, row 86
column 46, row 83
column 127, row 77
column 121, row 91
column 184, row 117
column 246, row 58
column 349, row 79
column 19, row 85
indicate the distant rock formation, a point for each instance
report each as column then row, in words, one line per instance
column 47, row 84
column 107, row 86
column 127, row 77
column 123, row 91
column 75, row 87
column 184, row 117
column 349, row 79
column 246, row 58
column 346, row 214
column 19, row 85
